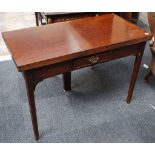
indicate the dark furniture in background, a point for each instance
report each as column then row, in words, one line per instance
column 53, row 17
column 88, row 41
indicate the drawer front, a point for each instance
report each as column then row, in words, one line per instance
column 91, row 60
column 110, row 55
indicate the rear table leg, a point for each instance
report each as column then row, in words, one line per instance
column 67, row 81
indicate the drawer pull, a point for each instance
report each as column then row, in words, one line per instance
column 93, row 59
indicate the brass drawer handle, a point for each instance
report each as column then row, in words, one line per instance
column 93, row 59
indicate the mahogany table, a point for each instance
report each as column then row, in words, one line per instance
column 45, row 51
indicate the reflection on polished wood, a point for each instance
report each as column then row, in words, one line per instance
column 42, row 52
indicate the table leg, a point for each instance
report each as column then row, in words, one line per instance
column 67, row 81
column 30, row 93
column 134, row 75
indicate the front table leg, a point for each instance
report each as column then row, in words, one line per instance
column 30, row 86
column 134, row 75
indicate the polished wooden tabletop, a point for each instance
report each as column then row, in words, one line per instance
column 39, row 46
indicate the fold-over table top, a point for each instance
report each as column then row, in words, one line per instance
column 40, row 46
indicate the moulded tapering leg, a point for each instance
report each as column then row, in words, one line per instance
column 30, row 93
column 134, row 75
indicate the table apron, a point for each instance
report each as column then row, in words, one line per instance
column 127, row 51
column 41, row 73
column 107, row 56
